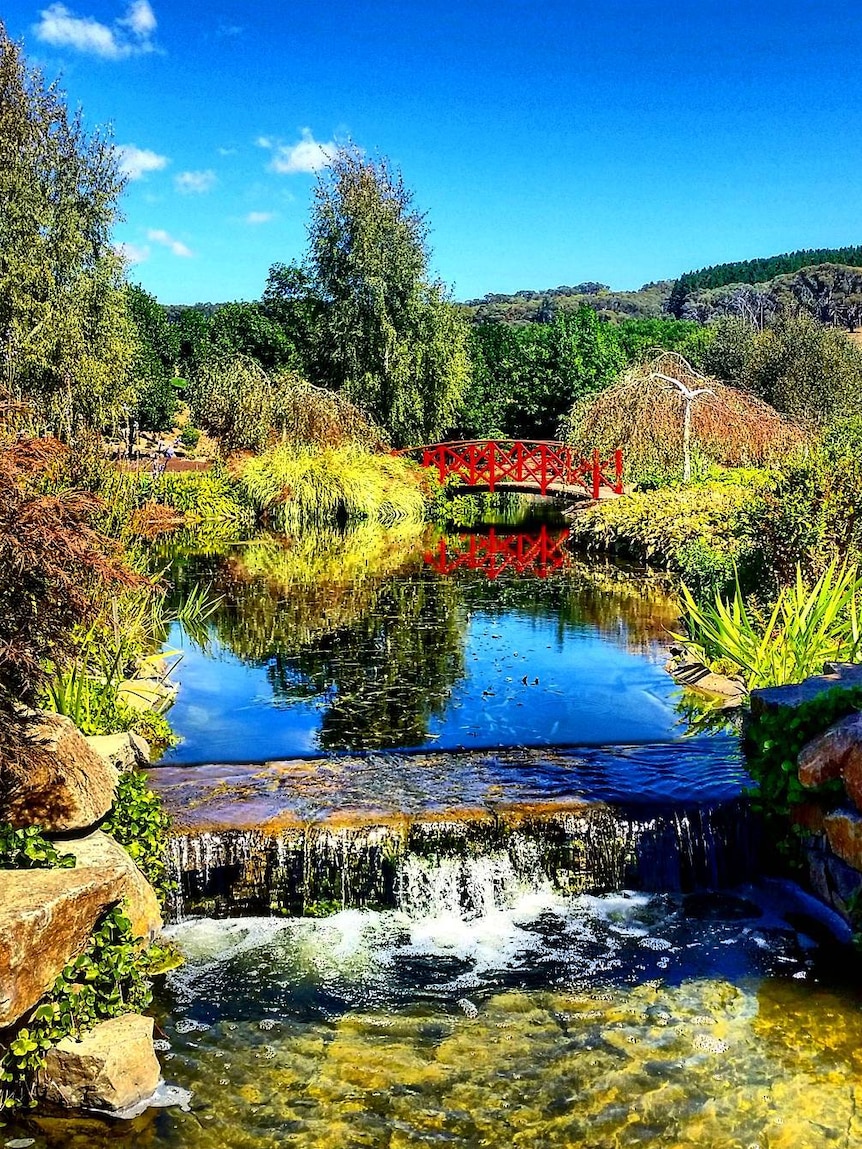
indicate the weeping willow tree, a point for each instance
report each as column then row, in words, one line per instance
column 246, row 409
column 662, row 410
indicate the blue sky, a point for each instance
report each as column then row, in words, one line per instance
column 549, row 143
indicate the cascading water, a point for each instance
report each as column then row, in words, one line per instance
column 471, row 864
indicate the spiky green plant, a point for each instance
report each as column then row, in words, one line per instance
column 809, row 625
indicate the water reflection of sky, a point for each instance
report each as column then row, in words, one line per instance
column 527, row 681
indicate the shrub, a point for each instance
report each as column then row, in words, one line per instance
column 139, row 823
column 190, row 437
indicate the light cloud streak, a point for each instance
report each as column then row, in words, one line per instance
column 308, row 155
column 175, row 246
column 194, row 183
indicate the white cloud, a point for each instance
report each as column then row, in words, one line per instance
column 131, row 35
column 132, row 252
column 191, row 183
column 135, row 162
column 175, row 246
column 227, row 151
column 256, row 217
column 308, row 155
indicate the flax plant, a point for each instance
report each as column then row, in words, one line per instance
column 809, row 625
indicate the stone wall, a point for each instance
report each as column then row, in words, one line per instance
column 47, row 916
column 830, row 768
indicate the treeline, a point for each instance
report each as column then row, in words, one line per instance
column 757, row 271
column 543, row 306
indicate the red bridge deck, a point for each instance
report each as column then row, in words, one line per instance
column 551, row 468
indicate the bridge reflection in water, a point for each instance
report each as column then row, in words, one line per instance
column 535, row 553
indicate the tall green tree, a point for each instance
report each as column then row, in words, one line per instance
column 66, row 339
column 388, row 335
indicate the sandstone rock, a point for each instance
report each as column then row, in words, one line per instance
column 844, row 833
column 112, row 1067
column 123, row 751
column 147, row 694
column 101, row 853
column 827, row 756
column 68, row 787
column 46, row 918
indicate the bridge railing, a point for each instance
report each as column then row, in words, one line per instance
column 544, row 464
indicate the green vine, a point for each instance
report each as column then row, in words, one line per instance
column 139, row 823
column 29, row 849
column 107, row 980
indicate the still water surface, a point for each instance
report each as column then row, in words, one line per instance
column 404, row 639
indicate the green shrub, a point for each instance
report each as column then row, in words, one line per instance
column 296, row 486
column 139, row 823
column 29, row 849
column 775, row 737
column 657, row 526
column 190, row 437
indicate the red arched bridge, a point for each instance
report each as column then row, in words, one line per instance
column 547, row 467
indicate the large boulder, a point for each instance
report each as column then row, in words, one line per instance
column 46, row 919
column 836, row 753
column 123, row 751
column 113, row 1067
column 844, row 834
column 101, row 853
column 844, row 675
column 67, row 787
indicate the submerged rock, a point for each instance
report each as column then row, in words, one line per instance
column 46, row 919
column 68, row 786
column 112, row 1067
column 101, row 853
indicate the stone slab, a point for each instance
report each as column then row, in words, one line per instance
column 123, row 751
column 844, row 675
column 101, row 853
column 68, row 786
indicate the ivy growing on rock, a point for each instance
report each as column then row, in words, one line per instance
column 139, row 823
column 29, row 849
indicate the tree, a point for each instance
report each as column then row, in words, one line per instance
column 388, row 335
column 155, row 360
column 66, row 341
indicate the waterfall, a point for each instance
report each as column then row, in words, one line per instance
column 468, row 865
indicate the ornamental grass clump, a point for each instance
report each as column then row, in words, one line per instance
column 303, row 486
column 809, row 625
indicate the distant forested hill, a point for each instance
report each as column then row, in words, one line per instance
column 757, row 271
column 541, row 306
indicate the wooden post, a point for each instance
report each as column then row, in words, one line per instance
column 618, row 469
column 491, row 467
column 597, row 475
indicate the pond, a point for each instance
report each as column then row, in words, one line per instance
column 408, row 639
column 474, row 881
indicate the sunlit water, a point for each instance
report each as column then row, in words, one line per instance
column 394, row 648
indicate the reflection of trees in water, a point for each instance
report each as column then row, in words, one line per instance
column 629, row 608
column 357, row 622
column 390, row 672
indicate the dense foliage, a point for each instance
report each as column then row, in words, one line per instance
column 139, row 823
column 27, row 848
column 66, row 338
